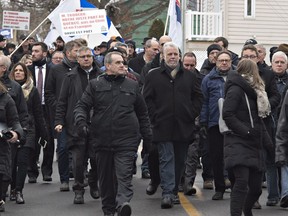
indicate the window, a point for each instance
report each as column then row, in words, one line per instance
column 249, row 11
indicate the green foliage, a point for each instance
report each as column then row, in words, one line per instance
column 157, row 29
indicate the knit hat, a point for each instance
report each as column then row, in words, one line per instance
column 283, row 47
column 213, row 47
column 132, row 43
column 250, row 41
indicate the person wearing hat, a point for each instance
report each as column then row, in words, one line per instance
column 250, row 41
column 60, row 43
column 210, row 62
column 283, row 47
column 99, row 52
column 2, row 44
column 131, row 49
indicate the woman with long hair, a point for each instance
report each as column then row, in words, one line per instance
column 10, row 133
column 22, row 75
column 246, row 104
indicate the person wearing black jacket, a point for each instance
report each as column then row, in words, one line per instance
column 8, row 119
column 41, row 66
column 174, row 99
column 250, row 52
column 72, row 88
column 20, row 74
column 52, row 92
column 119, row 117
column 244, row 146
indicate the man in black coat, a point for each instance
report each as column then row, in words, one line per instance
column 52, row 92
column 250, row 51
column 119, row 117
column 173, row 98
column 40, row 71
column 72, row 88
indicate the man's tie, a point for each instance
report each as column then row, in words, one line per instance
column 40, row 82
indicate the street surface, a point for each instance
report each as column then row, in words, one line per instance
column 45, row 199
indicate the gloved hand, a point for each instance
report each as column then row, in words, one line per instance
column 82, row 130
column 203, row 132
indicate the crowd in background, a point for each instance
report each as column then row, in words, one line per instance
column 100, row 103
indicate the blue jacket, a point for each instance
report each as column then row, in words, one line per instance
column 212, row 89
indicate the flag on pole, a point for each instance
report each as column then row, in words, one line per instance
column 175, row 24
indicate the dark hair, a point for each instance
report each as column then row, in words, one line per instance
column 44, row 46
column 250, row 47
column 223, row 39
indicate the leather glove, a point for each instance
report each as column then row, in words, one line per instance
column 82, row 130
column 203, row 132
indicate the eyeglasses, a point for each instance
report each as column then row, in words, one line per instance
column 224, row 60
column 85, row 56
column 249, row 57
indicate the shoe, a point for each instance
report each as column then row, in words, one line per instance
column 71, row 176
column 2, row 206
column 19, row 198
column 12, row 195
column 189, row 189
column 32, row 180
column 64, row 186
column 257, row 205
column 79, row 197
column 176, row 200
column 208, row 184
column 284, row 202
column 47, row 178
column 271, row 202
column 85, row 182
column 124, row 210
column 227, row 183
column 151, row 189
column 264, row 184
column 218, row 196
column 180, row 187
column 166, row 202
column 146, row 174
column 94, row 192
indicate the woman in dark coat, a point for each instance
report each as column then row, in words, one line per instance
column 22, row 75
column 8, row 119
column 243, row 148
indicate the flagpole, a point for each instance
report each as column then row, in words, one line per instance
column 28, row 36
column 183, row 9
column 166, row 24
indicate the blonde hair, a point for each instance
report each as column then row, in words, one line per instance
column 249, row 70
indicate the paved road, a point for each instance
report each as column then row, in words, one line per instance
column 44, row 199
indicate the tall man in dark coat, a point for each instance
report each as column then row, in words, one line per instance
column 40, row 71
column 119, row 117
column 173, row 97
column 72, row 88
column 52, row 92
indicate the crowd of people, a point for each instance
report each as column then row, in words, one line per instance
column 99, row 104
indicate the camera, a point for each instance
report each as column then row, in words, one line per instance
column 6, row 134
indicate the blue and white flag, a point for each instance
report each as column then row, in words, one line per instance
column 175, row 23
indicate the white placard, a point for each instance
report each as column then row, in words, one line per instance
column 84, row 22
column 16, row 20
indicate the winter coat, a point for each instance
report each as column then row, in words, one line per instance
column 281, row 155
column 137, row 63
column 242, row 148
column 9, row 117
column 173, row 104
column 119, row 114
column 72, row 89
column 212, row 89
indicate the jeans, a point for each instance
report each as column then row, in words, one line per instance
column 284, row 181
column 172, row 157
column 63, row 156
column 271, row 177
